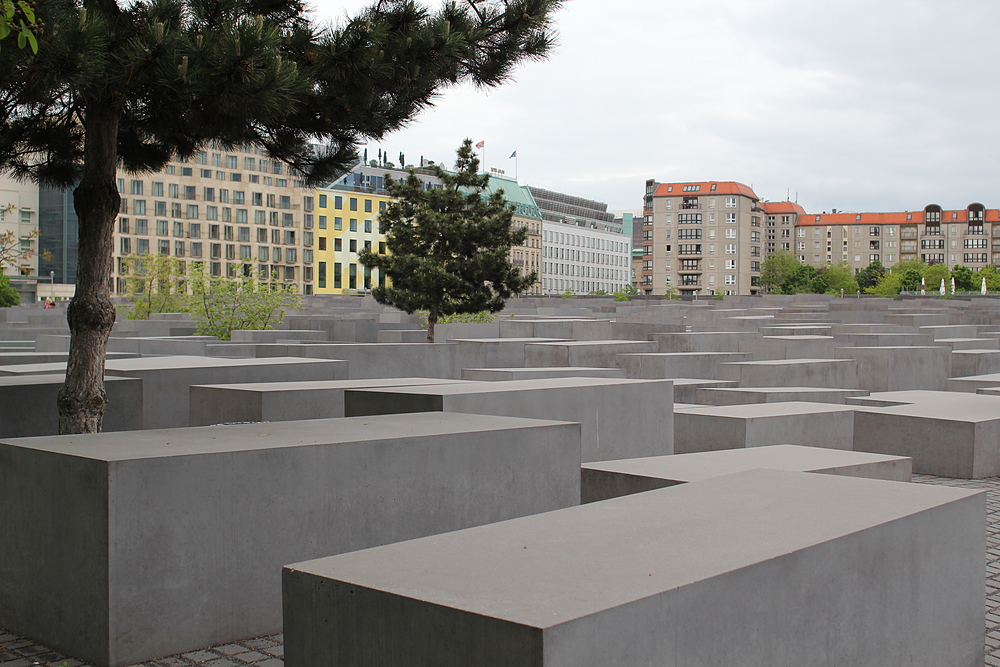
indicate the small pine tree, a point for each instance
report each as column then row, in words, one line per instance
column 448, row 247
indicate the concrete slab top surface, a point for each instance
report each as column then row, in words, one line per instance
column 681, row 354
column 186, row 361
column 497, row 386
column 548, row 569
column 599, row 343
column 786, row 390
column 507, row 340
column 798, row 338
column 971, row 412
column 704, row 465
column 791, row 362
column 312, row 385
column 54, row 378
column 752, row 410
column 162, row 443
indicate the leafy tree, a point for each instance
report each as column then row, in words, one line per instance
column 132, row 83
column 156, row 284
column 18, row 17
column 448, row 247
column 992, row 275
column 839, row 277
column 777, row 268
column 910, row 280
column 800, row 280
column 870, row 275
column 221, row 304
column 626, row 291
column 966, row 279
column 891, row 283
column 8, row 295
column 933, row 275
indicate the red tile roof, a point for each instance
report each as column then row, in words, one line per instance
column 890, row 218
column 774, row 207
column 705, row 188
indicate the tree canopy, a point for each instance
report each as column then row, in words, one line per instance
column 448, row 248
column 133, row 83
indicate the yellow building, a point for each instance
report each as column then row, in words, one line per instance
column 347, row 223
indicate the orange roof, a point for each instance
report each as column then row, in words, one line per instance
column 704, row 188
column 782, row 207
column 890, row 218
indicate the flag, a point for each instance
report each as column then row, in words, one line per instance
column 481, row 144
column 514, row 154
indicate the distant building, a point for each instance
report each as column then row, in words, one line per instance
column 19, row 217
column 348, row 209
column 584, row 246
column 702, row 237
column 934, row 235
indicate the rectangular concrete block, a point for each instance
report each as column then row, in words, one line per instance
column 734, row 570
column 701, row 341
column 166, row 380
column 601, row 480
column 494, row 374
column 676, row 364
column 495, row 352
column 122, row 547
column 601, row 353
column 379, row 360
column 950, row 439
column 281, row 401
column 974, row 362
column 837, row 373
column 619, row 418
column 705, row 429
column 745, row 395
column 890, row 368
column 28, row 405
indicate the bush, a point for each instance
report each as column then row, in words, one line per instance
column 8, row 295
column 220, row 305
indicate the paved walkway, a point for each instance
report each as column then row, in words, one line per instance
column 268, row 651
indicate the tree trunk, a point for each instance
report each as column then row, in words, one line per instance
column 91, row 314
column 432, row 319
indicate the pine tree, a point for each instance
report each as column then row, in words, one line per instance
column 132, row 83
column 448, row 247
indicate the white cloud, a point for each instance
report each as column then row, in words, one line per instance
column 854, row 105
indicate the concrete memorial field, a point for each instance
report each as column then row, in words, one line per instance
column 593, row 483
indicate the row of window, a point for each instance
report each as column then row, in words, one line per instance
column 338, row 224
column 696, row 219
column 584, row 241
column 140, row 227
column 352, row 276
column 561, row 269
column 352, row 203
column 195, row 249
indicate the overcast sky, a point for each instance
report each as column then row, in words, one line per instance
column 860, row 106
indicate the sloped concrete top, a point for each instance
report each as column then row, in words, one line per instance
column 751, row 410
column 163, row 443
column 486, row 387
column 312, row 385
column 551, row 568
column 705, row 465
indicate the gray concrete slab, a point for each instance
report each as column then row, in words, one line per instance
column 619, row 418
column 744, row 395
column 600, row 353
column 686, row 389
column 601, row 480
column 658, row 365
column 378, row 360
column 495, row 352
column 836, row 373
column 282, row 401
column 737, row 569
column 711, row 428
column 892, row 368
column 122, row 547
column 166, row 380
column 965, row 362
column 28, row 405
column 951, row 439
column 493, row 374
column 701, row 341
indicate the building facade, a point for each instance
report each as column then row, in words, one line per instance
column 348, row 209
column 19, row 220
column 701, row 238
column 585, row 247
column 969, row 236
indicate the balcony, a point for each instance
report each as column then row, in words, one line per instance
column 908, row 233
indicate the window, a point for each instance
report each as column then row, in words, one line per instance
column 730, row 248
column 689, row 234
column 730, row 264
column 338, row 245
column 730, row 202
column 730, row 279
column 976, row 243
column 730, row 218
column 338, row 223
column 974, row 258
column 353, row 245
column 163, row 247
column 195, row 249
column 692, row 188
column 126, row 246
column 354, row 203
column 368, row 206
column 142, row 246
column 354, row 225
column 368, row 226
column 873, row 231
column 689, row 219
